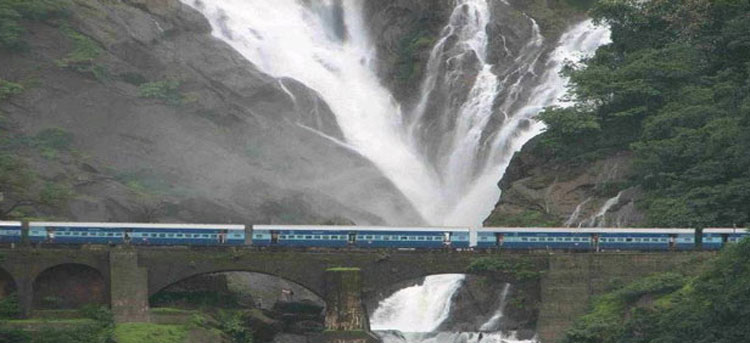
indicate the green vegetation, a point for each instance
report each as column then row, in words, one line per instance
column 343, row 269
column 96, row 327
column 522, row 270
column 674, row 88
column 672, row 308
column 232, row 323
column 51, row 141
column 23, row 190
column 167, row 91
column 414, row 44
column 13, row 11
column 527, row 218
column 194, row 299
column 9, row 307
column 85, row 51
column 152, row 333
column 8, row 89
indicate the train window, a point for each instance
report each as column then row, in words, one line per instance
column 162, row 235
column 524, row 239
column 178, row 235
column 317, row 236
column 628, row 239
column 85, row 234
column 110, row 234
column 308, row 237
column 326, row 237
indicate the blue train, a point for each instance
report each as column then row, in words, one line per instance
column 311, row 236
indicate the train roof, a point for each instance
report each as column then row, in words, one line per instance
column 725, row 230
column 9, row 223
column 586, row 230
column 359, row 228
column 142, row 225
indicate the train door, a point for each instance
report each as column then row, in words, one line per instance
column 672, row 241
column 248, row 235
column 274, row 237
column 222, row 236
column 595, row 242
column 724, row 239
column 352, row 238
column 447, row 238
column 24, row 232
column 499, row 239
column 50, row 234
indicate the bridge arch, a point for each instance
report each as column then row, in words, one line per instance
column 191, row 276
column 68, row 286
column 8, row 284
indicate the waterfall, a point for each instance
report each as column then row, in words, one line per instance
column 576, row 213
column 444, row 157
column 493, row 323
column 600, row 218
column 412, row 315
column 420, row 308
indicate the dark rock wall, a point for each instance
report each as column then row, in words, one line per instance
column 538, row 190
column 229, row 149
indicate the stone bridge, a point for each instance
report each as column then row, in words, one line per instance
column 341, row 277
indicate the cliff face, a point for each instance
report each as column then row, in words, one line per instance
column 538, row 190
column 168, row 123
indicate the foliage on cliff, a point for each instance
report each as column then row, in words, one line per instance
column 674, row 88
column 12, row 12
column 669, row 308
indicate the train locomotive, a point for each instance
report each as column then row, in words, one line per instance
column 368, row 237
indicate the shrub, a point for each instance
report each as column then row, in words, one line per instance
column 14, row 336
column 166, row 90
column 7, row 88
column 54, row 138
column 55, row 194
column 13, row 11
column 9, row 307
column 85, row 51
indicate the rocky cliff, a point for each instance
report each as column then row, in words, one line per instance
column 161, row 121
column 539, row 190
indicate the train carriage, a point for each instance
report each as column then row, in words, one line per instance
column 301, row 236
column 74, row 233
column 646, row 239
column 135, row 233
column 412, row 237
column 10, row 232
column 534, row 238
column 359, row 236
column 185, row 234
column 716, row 238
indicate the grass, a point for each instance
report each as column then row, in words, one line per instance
column 171, row 310
column 151, row 333
column 343, row 269
column 70, row 321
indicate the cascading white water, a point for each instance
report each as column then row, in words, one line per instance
column 413, row 314
column 600, row 218
column 325, row 45
column 420, row 308
column 493, row 323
